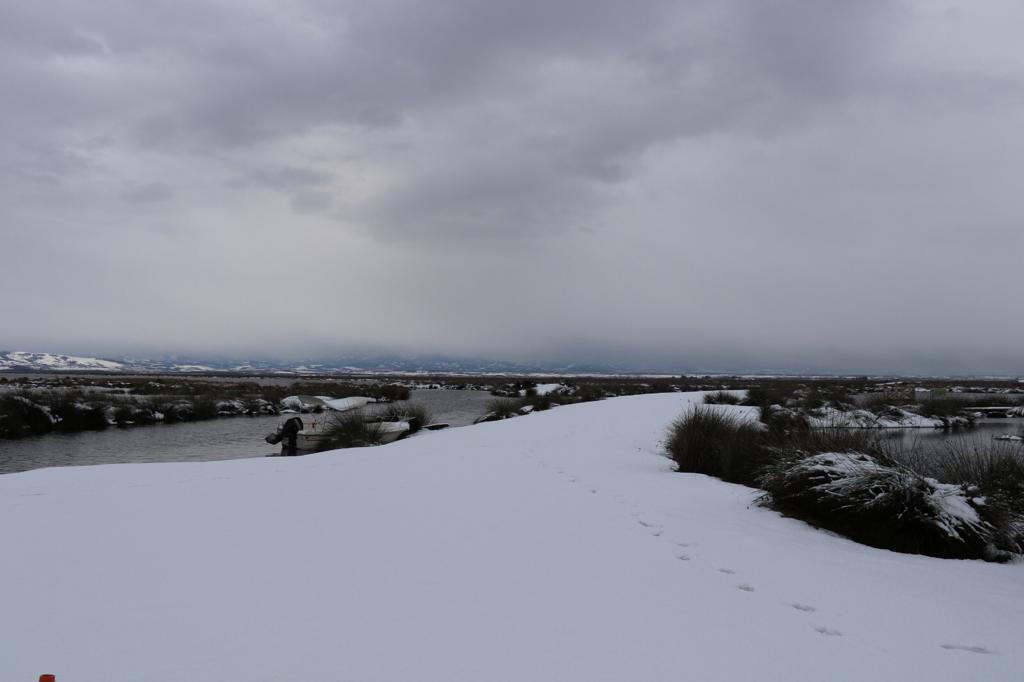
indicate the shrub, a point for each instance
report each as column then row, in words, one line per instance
column 538, row 402
column 767, row 395
column 202, row 409
column 416, row 414
column 503, row 408
column 76, row 416
column 389, row 392
column 995, row 468
column 123, row 416
column 835, row 439
column 589, row 393
column 351, row 430
column 885, row 505
column 782, row 422
column 877, row 402
column 941, row 407
column 721, row 398
column 19, row 416
column 709, row 441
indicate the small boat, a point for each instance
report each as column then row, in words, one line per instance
column 314, row 434
column 322, row 403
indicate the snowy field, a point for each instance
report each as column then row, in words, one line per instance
column 556, row 546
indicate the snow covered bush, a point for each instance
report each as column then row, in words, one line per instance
column 996, row 468
column 709, row 440
column 885, row 505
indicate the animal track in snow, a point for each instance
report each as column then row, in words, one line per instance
column 683, row 557
column 655, row 530
column 727, row 571
column 802, row 607
column 968, row 647
column 826, row 631
column 745, row 587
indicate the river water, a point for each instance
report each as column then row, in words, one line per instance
column 223, row 438
column 242, row 437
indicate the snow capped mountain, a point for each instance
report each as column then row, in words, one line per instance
column 21, row 360
column 342, row 364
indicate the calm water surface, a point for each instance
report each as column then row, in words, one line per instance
column 930, row 440
column 242, row 437
column 224, row 438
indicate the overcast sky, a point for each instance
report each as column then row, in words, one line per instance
column 720, row 184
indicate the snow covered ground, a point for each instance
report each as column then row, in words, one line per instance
column 557, row 546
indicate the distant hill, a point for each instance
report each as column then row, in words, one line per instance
column 370, row 364
column 20, row 360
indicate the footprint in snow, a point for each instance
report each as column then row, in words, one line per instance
column 593, row 490
column 682, row 544
column 829, row 632
column 727, row 571
column 683, row 557
column 802, row 607
column 745, row 587
column 967, row 647
column 655, row 531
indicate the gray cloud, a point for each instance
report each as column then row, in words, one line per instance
column 731, row 184
column 148, row 193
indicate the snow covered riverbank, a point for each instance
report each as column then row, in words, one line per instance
column 556, row 546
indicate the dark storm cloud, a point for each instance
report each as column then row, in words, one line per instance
column 654, row 179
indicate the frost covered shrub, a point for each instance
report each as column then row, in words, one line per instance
column 995, row 468
column 721, row 398
column 884, row 505
column 709, row 441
